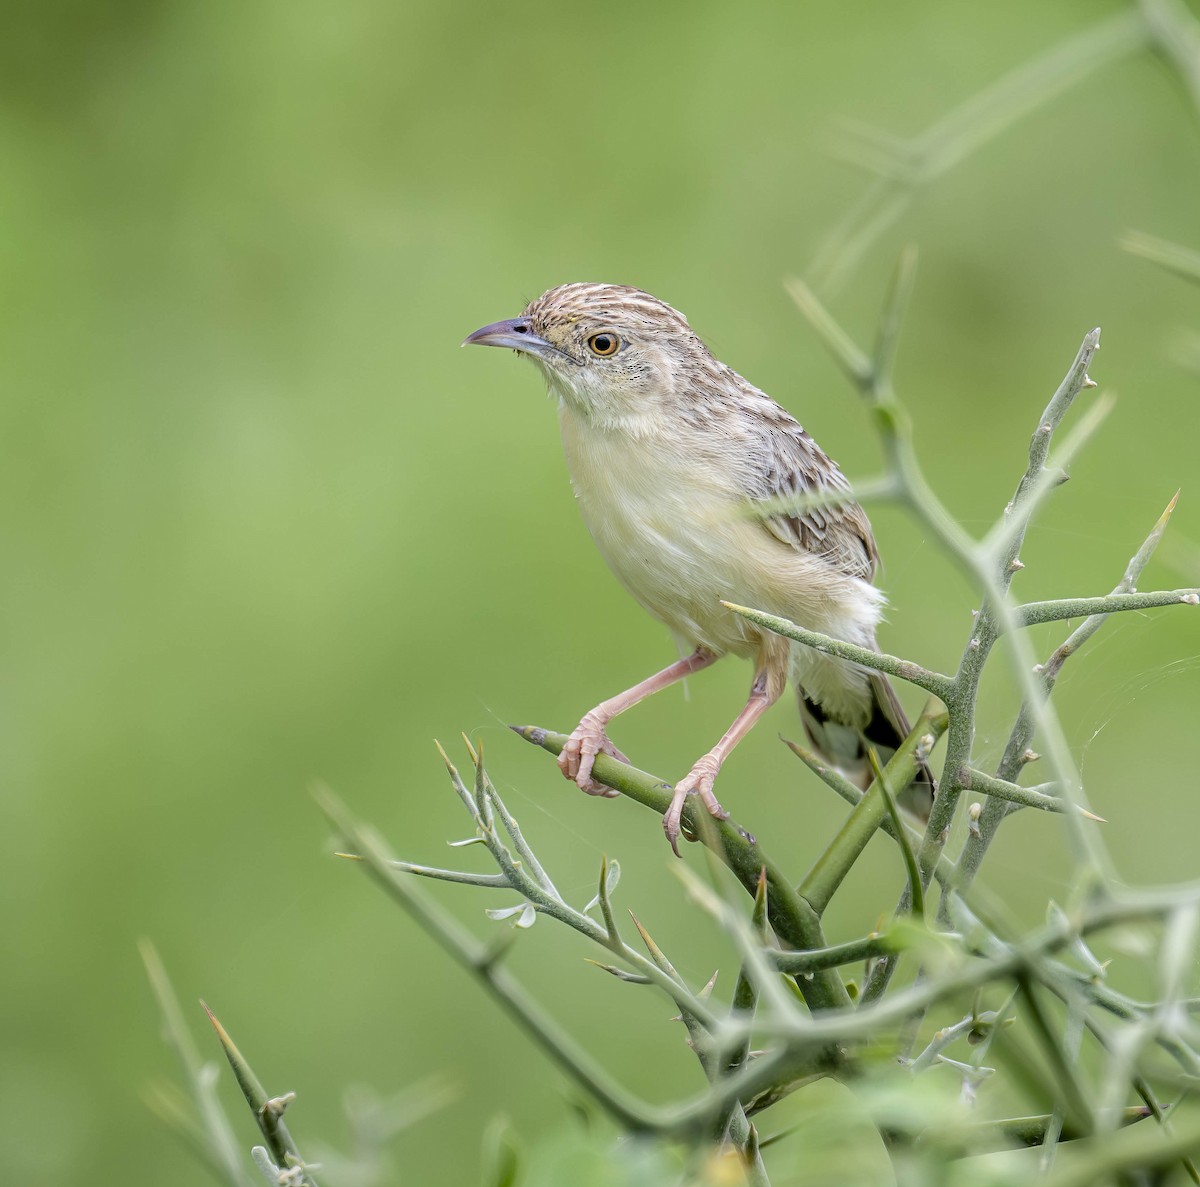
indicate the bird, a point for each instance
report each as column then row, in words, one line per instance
column 667, row 449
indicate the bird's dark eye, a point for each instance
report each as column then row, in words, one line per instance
column 604, row 344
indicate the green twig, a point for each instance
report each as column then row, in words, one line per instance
column 268, row 1111
column 835, row 862
column 1026, row 797
column 902, row 669
column 213, row 1135
column 995, row 567
column 986, row 1136
column 524, row 851
column 795, row 923
column 1017, row 961
column 464, row 877
column 745, row 1000
column 1033, row 613
column 1017, row 752
column 1145, row 1150
column 915, row 889
column 477, row 959
column 851, row 952
column 906, row 166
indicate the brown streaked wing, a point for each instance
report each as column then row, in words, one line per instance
column 794, row 465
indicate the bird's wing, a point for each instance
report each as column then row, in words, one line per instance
column 793, row 465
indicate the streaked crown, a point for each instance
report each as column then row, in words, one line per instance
column 611, row 352
column 619, row 304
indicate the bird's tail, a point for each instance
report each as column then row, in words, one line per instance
column 845, row 745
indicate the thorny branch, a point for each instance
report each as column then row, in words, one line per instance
column 972, row 949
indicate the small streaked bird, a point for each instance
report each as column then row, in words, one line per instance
column 667, row 448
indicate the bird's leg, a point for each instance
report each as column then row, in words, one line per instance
column 589, row 738
column 764, row 692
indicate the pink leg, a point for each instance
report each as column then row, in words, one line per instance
column 589, row 738
column 764, row 692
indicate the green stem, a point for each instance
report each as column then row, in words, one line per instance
column 1074, row 1107
column 476, row 958
column 217, row 1138
column 1013, row 793
column 902, row 669
column 1016, row 751
column 832, row 866
column 851, row 952
column 1033, row 613
column 793, row 920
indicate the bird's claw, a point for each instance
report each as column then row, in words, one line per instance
column 579, row 753
column 698, row 781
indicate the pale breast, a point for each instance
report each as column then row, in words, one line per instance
column 671, row 524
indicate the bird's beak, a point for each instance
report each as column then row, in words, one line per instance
column 515, row 333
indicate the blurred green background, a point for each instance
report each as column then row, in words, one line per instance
column 264, row 523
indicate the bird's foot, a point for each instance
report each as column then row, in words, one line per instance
column 698, row 781
column 578, row 755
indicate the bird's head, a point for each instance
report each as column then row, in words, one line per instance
column 611, row 353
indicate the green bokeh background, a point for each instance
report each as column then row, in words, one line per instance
column 264, row 523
